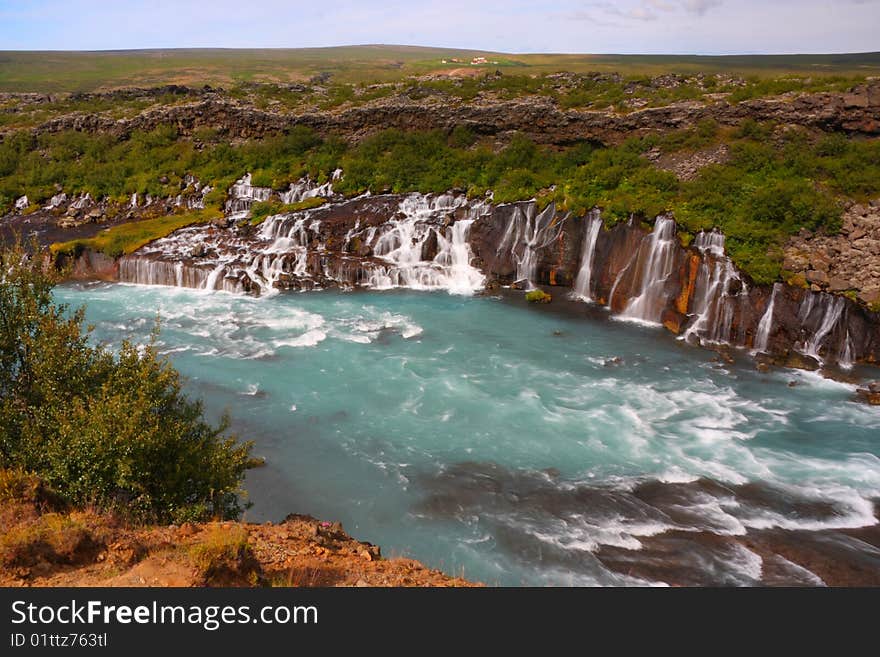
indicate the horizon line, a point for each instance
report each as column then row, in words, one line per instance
column 450, row 48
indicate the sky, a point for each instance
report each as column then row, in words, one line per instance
column 517, row 26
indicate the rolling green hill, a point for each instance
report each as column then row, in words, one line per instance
column 58, row 71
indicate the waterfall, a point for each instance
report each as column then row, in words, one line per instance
column 527, row 233
column 243, row 194
column 714, row 307
column 145, row 270
column 305, row 188
column 405, row 245
column 82, row 201
column 211, row 281
column 581, row 289
column 762, row 337
column 57, row 200
column 655, row 260
column 845, row 357
column 423, row 245
column 170, row 261
column 832, row 308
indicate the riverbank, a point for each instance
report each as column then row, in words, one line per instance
column 42, row 545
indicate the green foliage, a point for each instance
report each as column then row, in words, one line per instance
column 757, row 87
column 105, row 167
column 776, row 182
column 99, row 428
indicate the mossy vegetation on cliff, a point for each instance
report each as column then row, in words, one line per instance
column 262, row 210
column 127, row 238
column 774, row 181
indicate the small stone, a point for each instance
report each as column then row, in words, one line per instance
column 837, row 284
column 361, row 583
column 815, row 276
column 870, row 394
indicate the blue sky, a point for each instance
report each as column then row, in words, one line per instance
column 585, row 26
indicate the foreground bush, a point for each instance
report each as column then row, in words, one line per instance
column 115, row 431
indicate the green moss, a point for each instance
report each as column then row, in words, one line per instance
column 538, row 296
column 127, row 238
column 260, row 211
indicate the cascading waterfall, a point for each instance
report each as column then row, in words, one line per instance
column 305, row 188
column 424, row 244
column 832, row 311
column 405, row 242
column 243, row 195
column 581, row 289
column 713, row 304
column 762, row 336
column 655, row 260
column 527, row 233
column 57, row 200
column 845, row 358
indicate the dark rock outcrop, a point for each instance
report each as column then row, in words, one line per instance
column 537, row 116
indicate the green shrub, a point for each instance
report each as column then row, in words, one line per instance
column 114, row 430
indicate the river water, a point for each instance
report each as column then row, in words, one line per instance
column 516, row 444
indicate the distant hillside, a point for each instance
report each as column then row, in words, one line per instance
column 56, row 71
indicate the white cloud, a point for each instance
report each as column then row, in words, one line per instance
column 600, row 11
column 700, row 7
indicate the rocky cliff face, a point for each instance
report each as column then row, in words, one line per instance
column 646, row 275
column 639, row 272
column 536, row 116
column 848, row 262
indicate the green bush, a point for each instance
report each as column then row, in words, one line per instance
column 113, row 430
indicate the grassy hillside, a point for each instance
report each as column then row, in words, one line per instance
column 90, row 71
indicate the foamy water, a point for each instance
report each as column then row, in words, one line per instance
column 507, row 441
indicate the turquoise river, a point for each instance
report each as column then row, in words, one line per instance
column 520, row 445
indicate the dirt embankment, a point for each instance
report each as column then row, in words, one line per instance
column 43, row 545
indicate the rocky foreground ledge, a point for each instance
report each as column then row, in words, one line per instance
column 40, row 547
